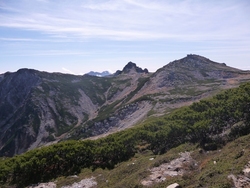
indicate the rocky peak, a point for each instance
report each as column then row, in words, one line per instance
column 131, row 67
column 20, row 82
column 196, row 62
column 196, row 57
column 190, row 60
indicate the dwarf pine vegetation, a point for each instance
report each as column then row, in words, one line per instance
column 210, row 123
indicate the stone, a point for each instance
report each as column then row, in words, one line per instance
column 174, row 185
column 45, row 185
column 247, row 172
column 86, row 183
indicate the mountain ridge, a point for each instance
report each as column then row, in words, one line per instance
column 39, row 108
column 201, row 145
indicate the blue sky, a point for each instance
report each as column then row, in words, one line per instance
column 78, row 36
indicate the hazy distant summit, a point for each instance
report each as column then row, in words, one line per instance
column 99, row 74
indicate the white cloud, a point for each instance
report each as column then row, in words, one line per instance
column 119, row 31
column 43, row 1
column 17, row 39
column 65, row 70
column 130, row 20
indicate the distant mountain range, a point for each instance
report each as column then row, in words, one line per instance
column 129, row 68
column 99, row 74
column 39, row 108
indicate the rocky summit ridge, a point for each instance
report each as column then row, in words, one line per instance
column 131, row 68
column 39, row 108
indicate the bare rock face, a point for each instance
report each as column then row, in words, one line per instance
column 123, row 118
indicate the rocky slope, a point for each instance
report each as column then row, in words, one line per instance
column 203, row 145
column 37, row 108
column 192, row 71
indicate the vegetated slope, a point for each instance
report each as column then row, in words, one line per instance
column 39, row 108
column 204, row 169
column 210, row 123
column 177, row 84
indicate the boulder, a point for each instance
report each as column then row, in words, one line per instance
column 247, row 172
column 174, row 185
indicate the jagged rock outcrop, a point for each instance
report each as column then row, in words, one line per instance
column 131, row 68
